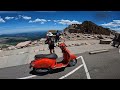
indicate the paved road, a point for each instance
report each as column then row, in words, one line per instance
column 100, row 66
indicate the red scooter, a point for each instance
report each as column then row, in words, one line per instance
column 48, row 61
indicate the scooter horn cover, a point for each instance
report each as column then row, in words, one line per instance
column 62, row 45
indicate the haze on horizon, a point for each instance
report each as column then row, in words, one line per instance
column 28, row 21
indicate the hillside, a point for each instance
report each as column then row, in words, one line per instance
column 7, row 40
column 88, row 27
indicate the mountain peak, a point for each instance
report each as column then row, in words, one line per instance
column 87, row 27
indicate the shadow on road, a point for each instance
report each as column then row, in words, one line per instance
column 47, row 72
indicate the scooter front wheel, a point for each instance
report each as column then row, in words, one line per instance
column 72, row 62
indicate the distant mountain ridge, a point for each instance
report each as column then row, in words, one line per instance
column 29, row 35
column 13, row 39
column 88, row 27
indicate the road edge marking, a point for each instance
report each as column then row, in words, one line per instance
column 85, row 67
column 71, row 71
column 28, row 77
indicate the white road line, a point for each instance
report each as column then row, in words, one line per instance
column 21, row 52
column 71, row 72
column 78, row 57
column 85, row 67
column 28, row 77
column 119, row 50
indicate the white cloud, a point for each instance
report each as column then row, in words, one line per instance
column 48, row 20
column 26, row 17
column 2, row 20
column 42, row 21
column 30, row 21
column 67, row 22
column 114, row 23
column 23, row 17
column 116, row 29
column 55, row 20
column 19, row 16
column 8, row 18
column 107, row 24
column 16, row 18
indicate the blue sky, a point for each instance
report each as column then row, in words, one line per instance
column 26, row 21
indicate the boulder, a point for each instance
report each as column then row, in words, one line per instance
column 11, row 48
column 77, row 44
column 42, row 39
column 34, row 42
column 105, row 41
column 83, row 44
column 23, row 44
column 100, row 37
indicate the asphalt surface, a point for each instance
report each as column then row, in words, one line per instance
column 100, row 66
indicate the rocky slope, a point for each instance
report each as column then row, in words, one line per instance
column 86, row 31
column 88, row 27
